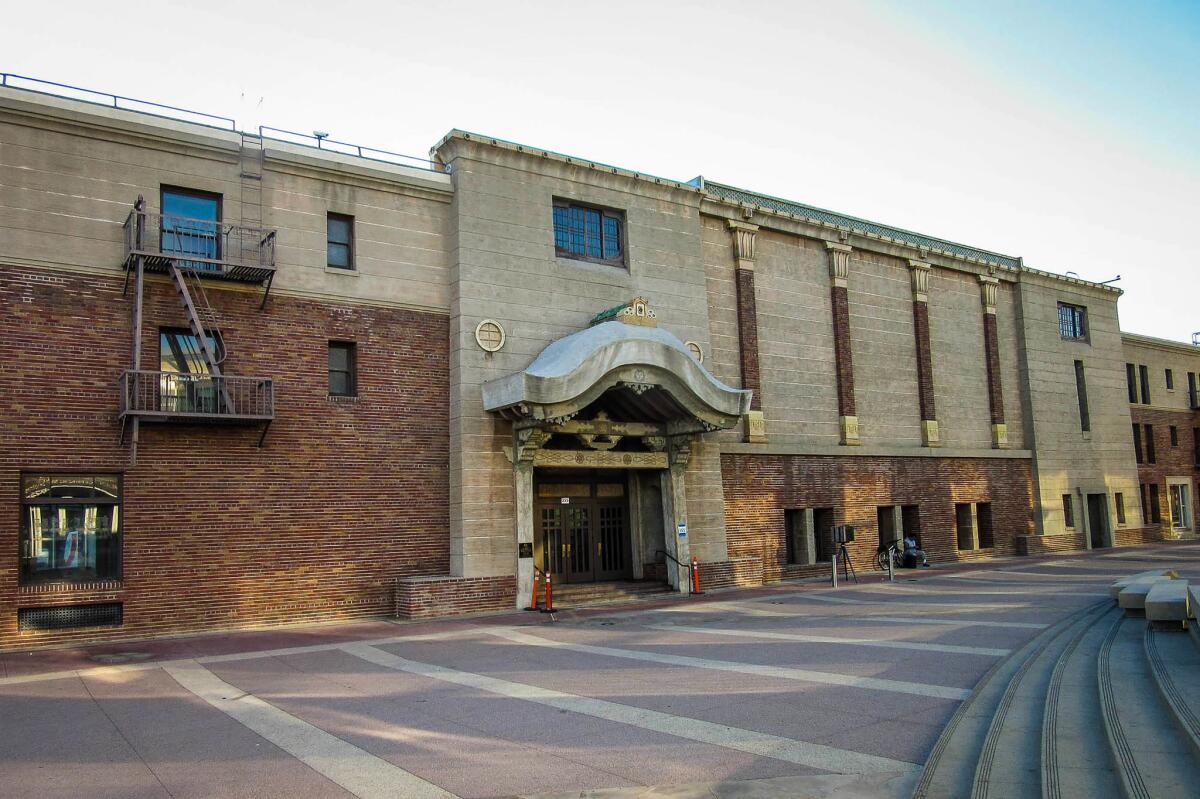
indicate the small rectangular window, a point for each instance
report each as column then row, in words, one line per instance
column 1137, row 443
column 1085, row 419
column 1131, row 382
column 1169, row 376
column 1174, row 436
column 1144, row 373
column 963, row 525
column 589, row 234
column 1068, row 511
column 342, row 378
column 1145, row 503
column 1192, row 398
column 339, row 229
column 70, row 528
column 1120, row 500
column 983, row 517
column 1072, row 321
column 1155, row 508
column 1148, row 435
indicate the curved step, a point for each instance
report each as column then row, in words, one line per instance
column 1175, row 665
column 1009, row 765
column 950, row 770
column 1152, row 759
column 1075, row 759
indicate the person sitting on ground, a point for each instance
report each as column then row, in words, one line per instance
column 913, row 552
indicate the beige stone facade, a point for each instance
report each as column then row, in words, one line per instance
column 895, row 378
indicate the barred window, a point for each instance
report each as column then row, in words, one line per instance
column 1072, row 321
column 589, row 234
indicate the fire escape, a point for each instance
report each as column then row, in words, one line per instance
column 192, row 252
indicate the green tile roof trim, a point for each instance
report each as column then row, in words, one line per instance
column 820, row 215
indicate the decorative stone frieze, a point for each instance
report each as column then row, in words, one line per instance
column 839, row 263
column 919, row 273
column 743, row 243
column 988, row 286
column 756, row 428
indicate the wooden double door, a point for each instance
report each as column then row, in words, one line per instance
column 582, row 533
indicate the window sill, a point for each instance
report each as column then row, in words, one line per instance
column 334, row 270
column 594, row 266
column 70, row 588
column 351, row 399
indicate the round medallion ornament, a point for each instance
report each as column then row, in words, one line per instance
column 695, row 350
column 489, row 335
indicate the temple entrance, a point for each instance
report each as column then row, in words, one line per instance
column 582, row 519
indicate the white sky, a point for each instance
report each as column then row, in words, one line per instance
column 1066, row 134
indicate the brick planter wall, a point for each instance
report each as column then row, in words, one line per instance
column 425, row 597
column 739, row 572
column 346, row 496
column 1045, row 544
column 758, row 488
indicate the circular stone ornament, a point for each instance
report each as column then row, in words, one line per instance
column 695, row 350
column 489, row 335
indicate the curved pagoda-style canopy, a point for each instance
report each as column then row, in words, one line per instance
column 648, row 371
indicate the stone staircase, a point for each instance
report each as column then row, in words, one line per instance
column 570, row 597
column 1105, row 703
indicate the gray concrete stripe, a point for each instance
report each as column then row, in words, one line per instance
column 920, row 646
column 841, row 600
column 760, row 744
column 1017, row 625
column 359, row 772
column 1042, row 577
column 109, row 671
column 934, row 590
column 777, row 672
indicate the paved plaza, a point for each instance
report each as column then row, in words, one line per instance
column 794, row 690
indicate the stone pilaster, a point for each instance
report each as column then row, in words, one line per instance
column 919, row 273
column 839, row 276
column 674, row 486
column 747, row 312
column 988, row 288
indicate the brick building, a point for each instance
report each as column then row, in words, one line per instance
column 255, row 378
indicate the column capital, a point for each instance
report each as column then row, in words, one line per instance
column 743, row 243
column 987, row 292
column 839, row 263
column 919, row 272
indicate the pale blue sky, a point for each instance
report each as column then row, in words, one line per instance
column 1062, row 132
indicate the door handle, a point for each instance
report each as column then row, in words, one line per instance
column 599, row 547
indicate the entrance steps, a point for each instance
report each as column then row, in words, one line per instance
column 578, row 595
column 1100, row 704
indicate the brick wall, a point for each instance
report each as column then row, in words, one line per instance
column 925, row 393
column 424, row 597
column 758, row 488
column 747, row 315
column 747, row 571
column 1046, row 544
column 345, row 497
column 840, row 308
column 1177, row 461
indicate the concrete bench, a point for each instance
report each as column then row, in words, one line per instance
column 1193, row 600
column 1115, row 589
column 1133, row 595
column 1167, row 600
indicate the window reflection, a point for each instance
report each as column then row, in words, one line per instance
column 70, row 528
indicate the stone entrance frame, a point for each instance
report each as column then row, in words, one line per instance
column 658, row 380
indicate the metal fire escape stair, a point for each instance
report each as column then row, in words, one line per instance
column 211, row 359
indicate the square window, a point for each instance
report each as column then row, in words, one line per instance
column 587, row 233
column 70, row 528
column 339, row 241
column 1072, row 321
column 343, row 359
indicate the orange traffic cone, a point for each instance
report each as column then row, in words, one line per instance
column 533, row 594
column 549, row 596
column 696, row 576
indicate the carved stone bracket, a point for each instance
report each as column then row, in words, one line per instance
column 839, row 263
column 527, row 442
column 987, row 292
column 743, row 243
column 680, row 450
column 919, row 272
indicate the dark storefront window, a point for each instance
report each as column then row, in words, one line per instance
column 70, row 528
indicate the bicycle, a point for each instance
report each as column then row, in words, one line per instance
column 889, row 551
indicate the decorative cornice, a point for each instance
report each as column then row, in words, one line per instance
column 918, row 271
column 987, row 293
column 839, row 263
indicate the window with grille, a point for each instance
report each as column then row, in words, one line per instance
column 343, row 380
column 70, row 528
column 589, row 234
column 1072, row 321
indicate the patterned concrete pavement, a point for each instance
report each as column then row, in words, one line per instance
column 795, row 690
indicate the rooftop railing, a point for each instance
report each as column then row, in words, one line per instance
column 327, row 144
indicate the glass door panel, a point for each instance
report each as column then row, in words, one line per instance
column 579, row 544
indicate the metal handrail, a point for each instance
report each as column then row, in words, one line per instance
column 181, row 394
column 114, row 100
column 358, row 150
column 669, row 555
column 200, row 241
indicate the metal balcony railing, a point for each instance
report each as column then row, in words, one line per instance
column 191, row 398
column 208, row 248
